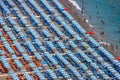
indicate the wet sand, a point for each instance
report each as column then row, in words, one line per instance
column 84, row 23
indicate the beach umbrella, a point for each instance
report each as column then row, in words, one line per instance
column 118, row 58
column 66, row 9
column 91, row 32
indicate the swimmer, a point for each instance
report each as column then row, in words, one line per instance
column 90, row 16
column 102, row 22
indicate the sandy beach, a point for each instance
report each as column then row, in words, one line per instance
column 88, row 27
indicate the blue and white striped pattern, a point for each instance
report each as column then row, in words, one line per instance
column 42, row 40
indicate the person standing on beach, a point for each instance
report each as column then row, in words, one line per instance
column 101, row 33
column 116, row 47
column 112, row 47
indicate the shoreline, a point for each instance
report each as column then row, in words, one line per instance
column 85, row 23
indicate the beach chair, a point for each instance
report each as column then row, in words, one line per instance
column 19, row 47
column 50, row 58
column 13, row 76
column 51, row 74
column 58, row 5
column 27, row 76
column 47, row 6
column 56, row 30
column 62, row 59
column 39, row 74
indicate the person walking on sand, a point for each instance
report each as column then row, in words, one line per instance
column 101, row 33
column 112, row 47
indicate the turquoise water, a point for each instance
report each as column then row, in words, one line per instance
column 105, row 16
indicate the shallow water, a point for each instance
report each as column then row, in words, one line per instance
column 105, row 16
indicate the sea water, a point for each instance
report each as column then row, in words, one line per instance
column 105, row 16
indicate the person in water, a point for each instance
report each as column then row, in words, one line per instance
column 102, row 22
column 90, row 16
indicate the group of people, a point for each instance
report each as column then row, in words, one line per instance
column 102, row 33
